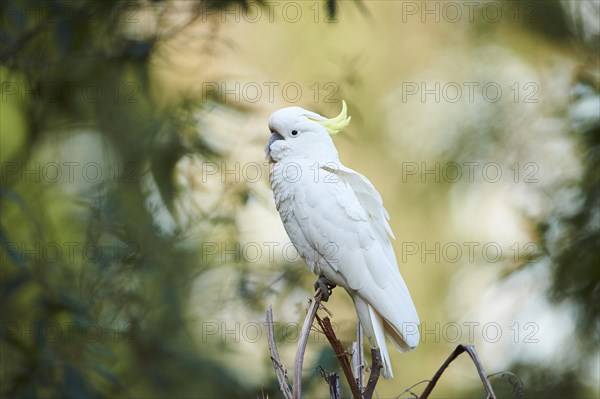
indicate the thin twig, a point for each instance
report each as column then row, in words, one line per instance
column 479, row 366
column 513, row 379
column 279, row 370
column 341, row 354
column 335, row 390
column 457, row 352
column 306, row 327
column 358, row 357
column 333, row 381
column 376, row 366
column 409, row 390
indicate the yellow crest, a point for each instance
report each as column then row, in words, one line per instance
column 337, row 124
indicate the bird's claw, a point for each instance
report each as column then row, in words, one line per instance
column 326, row 286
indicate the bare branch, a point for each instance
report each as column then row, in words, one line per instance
column 376, row 366
column 484, row 379
column 279, row 370
column 342, row 356
column 457, row 352
column 306, row 327
column 335, row 390
column 333, row 381
column 358, row 357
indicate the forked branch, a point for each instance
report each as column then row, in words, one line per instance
column 457, row 352
column 376, row 366
column 295, row 391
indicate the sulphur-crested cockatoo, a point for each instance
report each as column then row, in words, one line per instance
column 336, row 220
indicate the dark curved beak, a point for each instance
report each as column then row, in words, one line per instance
column 274, row 137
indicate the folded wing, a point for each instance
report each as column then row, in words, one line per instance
column 346, row 211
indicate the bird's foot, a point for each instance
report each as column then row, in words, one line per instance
column 326, row 286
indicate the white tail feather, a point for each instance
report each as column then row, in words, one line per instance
column 372, row 324
column 379, row 336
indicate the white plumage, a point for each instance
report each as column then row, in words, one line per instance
column 336, row 220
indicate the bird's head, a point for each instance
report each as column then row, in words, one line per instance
column 296, row 132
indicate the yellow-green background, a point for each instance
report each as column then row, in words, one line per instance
column 179, row 292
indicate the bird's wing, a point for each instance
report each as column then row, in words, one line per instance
column 346, row 211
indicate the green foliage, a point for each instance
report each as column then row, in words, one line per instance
column 576, row 264
column 93, row 292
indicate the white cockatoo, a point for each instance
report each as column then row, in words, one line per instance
column 336, row 220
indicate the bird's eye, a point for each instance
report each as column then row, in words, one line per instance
column 294, row 132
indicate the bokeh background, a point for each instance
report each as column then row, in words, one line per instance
column 140, row 242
